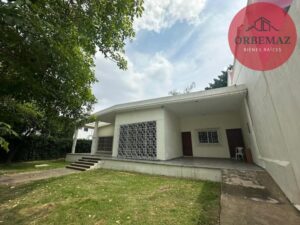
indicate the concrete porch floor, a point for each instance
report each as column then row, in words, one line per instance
column 196, row 162
column 215, row 163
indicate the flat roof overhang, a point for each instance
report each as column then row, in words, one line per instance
column 227, row 99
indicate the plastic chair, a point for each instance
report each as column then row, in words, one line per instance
column 239, row 154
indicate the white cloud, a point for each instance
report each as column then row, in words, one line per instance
column 116, row 86
column 201, row 54
column 160, row 14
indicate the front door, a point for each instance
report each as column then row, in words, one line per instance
column 187, row 144
column 235, row 139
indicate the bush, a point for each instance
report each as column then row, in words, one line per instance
column 83, row 146
column 41, row 148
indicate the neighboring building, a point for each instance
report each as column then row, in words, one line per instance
column 274, row 106
column 86, row 132
column 259, row 111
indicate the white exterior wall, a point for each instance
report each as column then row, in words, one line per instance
column 274, row 103
column 173, row 145
column 106, row 131
column 219, row 121
column 85, row 134
column 248, row 132
column 142, row 116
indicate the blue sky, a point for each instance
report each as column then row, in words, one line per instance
column 177, row 42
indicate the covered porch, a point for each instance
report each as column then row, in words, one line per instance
column 206, row 124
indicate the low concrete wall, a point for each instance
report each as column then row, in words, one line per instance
column 155, row 168
column 74, row 157
column 162, row 169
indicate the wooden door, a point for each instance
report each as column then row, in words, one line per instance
column 235, row 139
column 187, row 143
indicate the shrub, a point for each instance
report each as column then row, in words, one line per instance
column 41, row 148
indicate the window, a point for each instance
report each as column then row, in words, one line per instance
column 86, row 129
column 138, row 140
column 208, row 137
column 105, row 144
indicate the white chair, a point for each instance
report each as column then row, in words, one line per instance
column 239, row 154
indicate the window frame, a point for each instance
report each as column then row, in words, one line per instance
column 105, row 144
column 207, row 130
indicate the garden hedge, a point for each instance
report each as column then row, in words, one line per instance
column 41, row 148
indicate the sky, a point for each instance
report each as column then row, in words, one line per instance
column 177, row 42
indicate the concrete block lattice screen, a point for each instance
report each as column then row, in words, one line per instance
column 138, row 141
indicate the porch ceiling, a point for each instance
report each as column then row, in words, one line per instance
column 214, row 101
column 210, row 105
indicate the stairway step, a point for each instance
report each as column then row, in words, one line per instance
column 92, row 158
column 80, row 165
column 88, row 160
column 85, row 163
column 76, row 168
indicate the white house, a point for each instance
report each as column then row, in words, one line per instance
column 200, row 124
column 205, row 124
column 86, row 132
column 258, row 111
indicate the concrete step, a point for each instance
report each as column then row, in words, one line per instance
column 76, row 168
column 88, row 160
column 80, row 165
column 85, row 163
column 92, row 158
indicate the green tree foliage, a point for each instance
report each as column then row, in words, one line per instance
column 46, row 56
column 5, row 130
column 221, row 81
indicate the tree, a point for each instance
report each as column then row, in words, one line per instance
column 187, row 90
column 47, row 49
column 221, row 81
column 5, row 130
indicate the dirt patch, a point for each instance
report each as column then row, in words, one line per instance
column 100, row 222
column 39, row 209
column 165, row 188
column 21, row 178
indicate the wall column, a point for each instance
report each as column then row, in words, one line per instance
column 75, row 135
column 95, row 140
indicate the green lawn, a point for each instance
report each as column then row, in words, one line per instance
column 110, row 197
column 30, row 166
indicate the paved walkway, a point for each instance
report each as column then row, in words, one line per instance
column 253, row 198
column 20, row 178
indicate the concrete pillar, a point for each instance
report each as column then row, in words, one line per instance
column 75, row 135
column 95, row 140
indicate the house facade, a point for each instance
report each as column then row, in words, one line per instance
column 258, row 111
column 201, row 124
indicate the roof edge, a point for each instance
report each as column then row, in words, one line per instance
column 157, row 102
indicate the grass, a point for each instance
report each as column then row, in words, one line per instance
column 105, row 197
column 30, row 166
